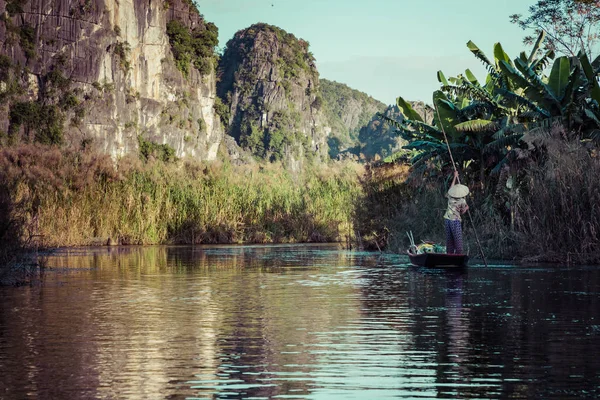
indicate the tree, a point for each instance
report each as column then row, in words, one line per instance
column 570, row 25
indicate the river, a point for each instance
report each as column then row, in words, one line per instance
column 295, row 322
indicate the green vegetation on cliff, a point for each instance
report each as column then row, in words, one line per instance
column 39, row 120
column 347, row 111
column 268, row 86
column 193, row 47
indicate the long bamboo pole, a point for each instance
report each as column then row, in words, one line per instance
column 456, row 170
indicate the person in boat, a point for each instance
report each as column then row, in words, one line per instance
column 457, row 206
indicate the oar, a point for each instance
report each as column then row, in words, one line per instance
column 456, row 170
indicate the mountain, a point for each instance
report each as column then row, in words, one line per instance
column 120, row 77
column 269, row 86
column 379, row 139
column 347, row 112
column 143, row 78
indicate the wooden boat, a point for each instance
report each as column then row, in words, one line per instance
column 439, row 260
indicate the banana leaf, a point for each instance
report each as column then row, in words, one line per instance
column 559, row 76
column 591, row 76
column 471, row 77
column 441, row 78
column 500, row 55
column 407, row 110
column 477, row 125
column 480, row 55
column 446, row 114
column 536, row 47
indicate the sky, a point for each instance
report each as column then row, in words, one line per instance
column 385, row 48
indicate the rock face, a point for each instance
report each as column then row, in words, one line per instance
column 270, row 89
column 347, row 111
column 113, row 61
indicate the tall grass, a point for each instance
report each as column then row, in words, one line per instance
column 68, row 198
column 559, row 211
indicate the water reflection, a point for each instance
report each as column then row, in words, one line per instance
column 295, row 322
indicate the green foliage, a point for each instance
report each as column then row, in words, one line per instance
column 253, row 139
column 14, row 7
column 149, row 149
column 318, row 102
column 45, row 120
column 201, row 125
column 222, row 110
column 5, row 66
column 27, row 40
column 122, row 50
column 486, row 122
column 193, row 47
column 9, row 78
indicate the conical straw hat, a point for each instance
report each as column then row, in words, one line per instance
column 457, row 191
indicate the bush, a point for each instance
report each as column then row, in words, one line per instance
column 222, row 110
column 149, row 149
column 27, row 40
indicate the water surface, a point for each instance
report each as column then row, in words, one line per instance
column 302, row 322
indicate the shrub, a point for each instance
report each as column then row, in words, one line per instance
column 122, row 50
column 27, row 40
column 222, row 110
column 149, row 149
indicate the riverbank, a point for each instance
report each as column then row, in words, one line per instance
column 547, row 209
column 58, row 197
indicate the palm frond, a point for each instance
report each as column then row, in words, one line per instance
column 406, row 124
column 530, row 116
column 509, row 130
column 573, row 84
column 513, row 74
column 496, row 170
column 536, row 47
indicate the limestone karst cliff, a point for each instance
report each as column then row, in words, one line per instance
column 347, row 111
column 141, row 77
column 106, row 74
column 269, row 86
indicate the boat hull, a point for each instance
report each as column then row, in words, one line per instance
column 438, row 260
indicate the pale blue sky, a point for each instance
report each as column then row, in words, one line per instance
column 385, row 48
